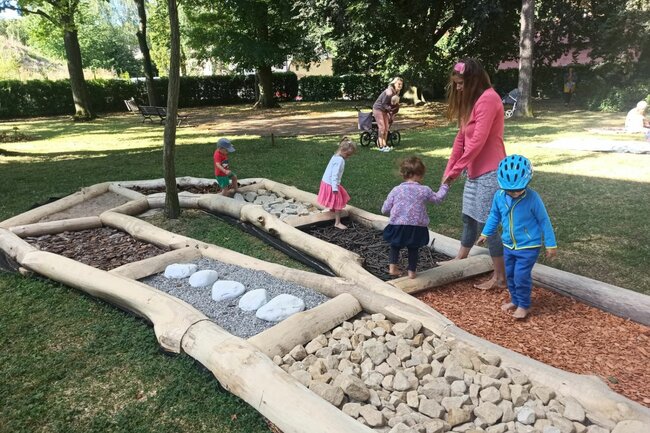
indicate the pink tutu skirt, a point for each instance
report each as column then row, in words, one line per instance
column 328, row 199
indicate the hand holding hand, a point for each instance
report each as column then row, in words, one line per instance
column 551, row 253
column 481, row 240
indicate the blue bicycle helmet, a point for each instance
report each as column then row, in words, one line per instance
column 514, row 173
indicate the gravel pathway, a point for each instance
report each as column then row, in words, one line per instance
column 227, row 314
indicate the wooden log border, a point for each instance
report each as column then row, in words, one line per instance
column 179, row 326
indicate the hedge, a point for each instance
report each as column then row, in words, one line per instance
column 47, row 98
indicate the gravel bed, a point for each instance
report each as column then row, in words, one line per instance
column 227, row 314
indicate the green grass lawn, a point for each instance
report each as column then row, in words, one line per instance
column 71, row 363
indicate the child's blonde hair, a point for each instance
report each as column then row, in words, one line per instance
column 394, row 100
column 347, row 146
column 412, row 166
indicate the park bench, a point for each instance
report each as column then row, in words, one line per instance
column 150, row 112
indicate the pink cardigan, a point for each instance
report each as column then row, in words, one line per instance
column 479, row 144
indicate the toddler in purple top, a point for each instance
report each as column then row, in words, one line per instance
column 408, row 225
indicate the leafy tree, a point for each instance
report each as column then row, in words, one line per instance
column 252, row 34
column 63, row 16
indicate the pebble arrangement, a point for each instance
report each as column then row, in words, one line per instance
column 244, row 302
column 281, row 207
column 394, row 378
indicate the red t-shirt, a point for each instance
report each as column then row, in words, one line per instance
column 220, row 158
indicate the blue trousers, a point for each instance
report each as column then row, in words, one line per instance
column 519, row 268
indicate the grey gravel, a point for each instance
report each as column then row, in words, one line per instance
column 227, row 314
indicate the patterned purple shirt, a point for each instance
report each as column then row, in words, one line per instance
column 407, row 203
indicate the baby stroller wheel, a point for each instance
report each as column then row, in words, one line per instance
column 365, row 139
column 509, row 113
column 394, row 138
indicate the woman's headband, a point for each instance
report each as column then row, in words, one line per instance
column 459, row 68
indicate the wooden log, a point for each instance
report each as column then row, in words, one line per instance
column 186, row 201
column 35, row 215
column 125, row 192
column 157, row 264
column 247, row 373
column 616, row 300
column 135, row 207
column 221, row 204
column 53, row 227
column 445, row 274
column 14, row 246
column 299, row 221
column 303, row 327
column 146, row 232
column 170, row 316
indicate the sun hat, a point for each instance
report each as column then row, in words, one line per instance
column 226, row 144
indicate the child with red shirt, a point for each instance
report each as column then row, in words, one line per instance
column 226, row 178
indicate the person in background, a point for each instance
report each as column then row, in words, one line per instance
column 409, row 223
column 525, row 227
column 476, row 151
column 331, row 194
column 384, row 111
column 569, row 87
column 636, row 120
column 226, row 178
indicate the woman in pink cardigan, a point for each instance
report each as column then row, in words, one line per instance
column 477, row 150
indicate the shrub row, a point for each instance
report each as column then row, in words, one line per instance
column 47, row 98
column 353, row 87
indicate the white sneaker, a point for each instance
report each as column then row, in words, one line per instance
column 387, row 149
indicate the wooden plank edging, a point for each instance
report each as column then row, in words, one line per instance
column 59, row 226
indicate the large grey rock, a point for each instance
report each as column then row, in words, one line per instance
column 490, row 412
column 403, row 330
column 351, row 409
column 454, row 372
column 332, row 394
column 551, row 429
column 458, row 387
column 526, row 416
column 545, row 394
column 376, row 351
column 562, row 423
column 436, row 390
column 401, row 382
column 631, row 426
column 490, row 394
column 454, row 402
column 436, row 426
column 353, row 387
column 508, row 411
column 431, row 408
column 456, row 416
column 372, row 416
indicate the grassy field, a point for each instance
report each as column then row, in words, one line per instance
column 72, row 363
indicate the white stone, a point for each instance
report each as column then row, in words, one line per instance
column 631, row 426
column 253, row 300
column 225, row 290
column 490, row 412
column 431, row 408
column 280, row 307
column 373, row 417
column 551, row 429
column 180, row 270
column 203, row 278
column 526, row 415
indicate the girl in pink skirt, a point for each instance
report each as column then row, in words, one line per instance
column 332, row 195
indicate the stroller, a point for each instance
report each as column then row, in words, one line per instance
column 370, row 134
column 510, row 99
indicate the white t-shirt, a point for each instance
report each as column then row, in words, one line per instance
column 634, row 121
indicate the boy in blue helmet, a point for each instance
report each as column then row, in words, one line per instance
column 524, row 223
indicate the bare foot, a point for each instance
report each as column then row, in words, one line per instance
column 492, row 283
column 395, row 271
column 520, row 313
column 507, row 307
column 412, row 274
column 340, row 226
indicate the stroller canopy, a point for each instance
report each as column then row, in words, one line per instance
column 511, row 97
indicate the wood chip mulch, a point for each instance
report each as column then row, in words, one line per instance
column 103, row 248
column 370, row 245
column 194, row 189
column 560, row 331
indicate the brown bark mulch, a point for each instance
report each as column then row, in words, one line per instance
column 103, row 248
column 370, row 245
column 194, row 189
column 560, row 331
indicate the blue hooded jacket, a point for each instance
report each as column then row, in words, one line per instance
column 523, row 220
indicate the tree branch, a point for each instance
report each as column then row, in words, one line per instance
column 29, row 11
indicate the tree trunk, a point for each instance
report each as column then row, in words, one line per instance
column 526, row 35
column 265, row 87
column 82, row 106
column 146, row 56
column 172, row 205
